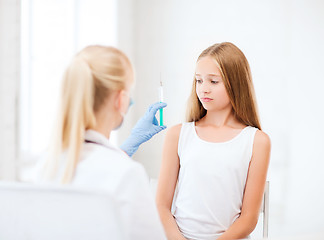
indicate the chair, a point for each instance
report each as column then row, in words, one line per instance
column 265, row 210
column 51, row 212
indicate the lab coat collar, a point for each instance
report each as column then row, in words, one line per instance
column 94, row 136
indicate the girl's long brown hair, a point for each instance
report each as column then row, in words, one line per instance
column 237, row 78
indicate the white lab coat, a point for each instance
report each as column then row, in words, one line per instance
column 105, row 167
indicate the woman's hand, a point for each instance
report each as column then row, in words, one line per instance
column 144, row 129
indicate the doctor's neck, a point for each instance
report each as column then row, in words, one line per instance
column 106, row 121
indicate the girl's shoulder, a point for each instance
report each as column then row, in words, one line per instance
column 174, row 131
column 261, row 149
column 262, row 138
column 261, row 141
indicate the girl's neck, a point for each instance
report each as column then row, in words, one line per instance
column 219, row 118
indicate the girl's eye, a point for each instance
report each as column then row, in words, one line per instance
column 214, row 82
column 198, row 80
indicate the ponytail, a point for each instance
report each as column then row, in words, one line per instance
column 76, row 115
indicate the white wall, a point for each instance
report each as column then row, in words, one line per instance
column 52, row 33
column 9, row 86
column 125, row 41
column 283, row 41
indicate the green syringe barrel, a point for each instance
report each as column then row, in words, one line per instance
column 161, row 117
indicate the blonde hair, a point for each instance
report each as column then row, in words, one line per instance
column 92, row 75
column 237, row 78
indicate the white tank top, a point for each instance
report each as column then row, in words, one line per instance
column 211, row 182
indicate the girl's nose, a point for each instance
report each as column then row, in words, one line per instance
column 205, row 88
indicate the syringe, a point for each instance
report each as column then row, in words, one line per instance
column 161, row 100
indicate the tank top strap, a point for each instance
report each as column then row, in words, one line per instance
column 250, row 135
column 185, row 136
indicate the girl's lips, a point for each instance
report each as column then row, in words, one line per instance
column 206, row 99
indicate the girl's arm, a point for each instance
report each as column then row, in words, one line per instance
column 167, row 183
column 254, row 189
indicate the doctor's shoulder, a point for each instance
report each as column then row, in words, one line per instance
column 107, row 166
column 111, row 159
column 125, row 177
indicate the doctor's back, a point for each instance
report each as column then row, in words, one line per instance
column 94, row 100
column 105, row 167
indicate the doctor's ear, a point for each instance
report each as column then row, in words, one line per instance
column 121, row 101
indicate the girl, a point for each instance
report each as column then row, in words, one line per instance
column 219, row 157
column 94, row 101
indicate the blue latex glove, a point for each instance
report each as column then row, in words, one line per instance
column 144, row 129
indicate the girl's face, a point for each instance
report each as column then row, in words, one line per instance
column 210, row 87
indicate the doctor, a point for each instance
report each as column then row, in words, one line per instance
column 94, row 100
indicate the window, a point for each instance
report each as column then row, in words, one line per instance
column 52, row 32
